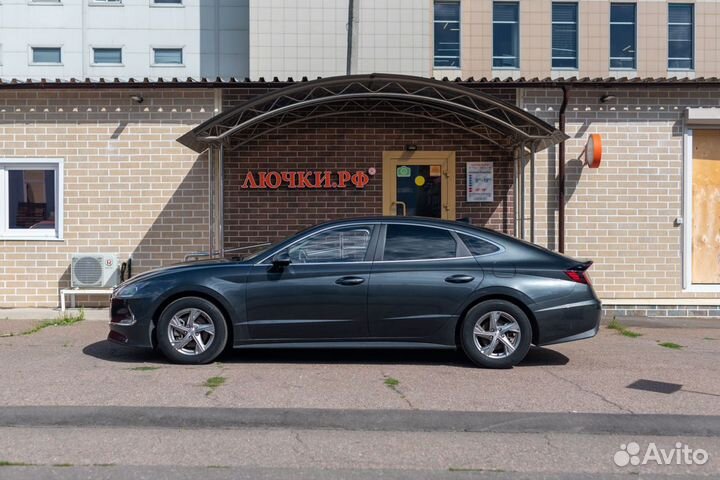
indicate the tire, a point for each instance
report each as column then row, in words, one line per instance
column 198, row 328
column 512, row 329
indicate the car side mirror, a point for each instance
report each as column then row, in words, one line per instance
column 281, row 260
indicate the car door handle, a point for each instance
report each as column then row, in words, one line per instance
column 349, row 281
column 459, row 279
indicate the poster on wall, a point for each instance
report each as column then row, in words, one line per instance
column 480, row 182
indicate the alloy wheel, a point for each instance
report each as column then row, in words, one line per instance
column 191, row 331
column 496, row 334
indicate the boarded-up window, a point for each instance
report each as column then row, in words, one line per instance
column 706, row 207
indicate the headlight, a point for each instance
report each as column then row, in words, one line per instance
column 127, row 291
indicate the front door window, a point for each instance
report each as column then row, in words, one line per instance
column 347, row 244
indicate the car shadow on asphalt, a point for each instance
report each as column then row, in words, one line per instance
column 537, row 356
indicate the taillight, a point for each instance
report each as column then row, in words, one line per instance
column 579, row 276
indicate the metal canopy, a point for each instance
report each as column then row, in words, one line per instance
column 476, row 112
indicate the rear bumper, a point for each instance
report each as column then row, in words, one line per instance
column 569, row 322
column 126, row 328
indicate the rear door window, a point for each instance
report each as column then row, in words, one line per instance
column 413, row 242
column 478, row 246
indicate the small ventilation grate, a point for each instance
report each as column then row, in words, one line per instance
column 88, row 270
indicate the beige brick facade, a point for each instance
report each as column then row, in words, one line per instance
column 623, row 214
column 130, row 188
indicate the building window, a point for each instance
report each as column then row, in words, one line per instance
column 680, row 36
column 107, row 56
column 46, row 55
column 107, row 2
column 167, row 56
column 167, row 2
column 447, row 34
column 564, row 35
column 622, row 36
column 506, row 35
column 31, row 192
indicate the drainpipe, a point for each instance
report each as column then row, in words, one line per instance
column 516, row 203
column 221, row 201
column 211, row 201
column 532, row 192
column 561, row 172
column 351, row 20
column 521, row 185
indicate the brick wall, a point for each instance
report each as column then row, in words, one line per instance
column 130, row 188
column 348, row 143
column 621, row 215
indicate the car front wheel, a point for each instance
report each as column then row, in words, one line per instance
column 191, row 330
column 496, row 334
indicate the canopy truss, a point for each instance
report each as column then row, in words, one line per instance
column 476, row 112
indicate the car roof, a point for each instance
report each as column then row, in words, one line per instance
column 498, row 237
column 453, row 224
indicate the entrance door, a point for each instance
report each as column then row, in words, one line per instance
column 706, row 207
column 419, row 184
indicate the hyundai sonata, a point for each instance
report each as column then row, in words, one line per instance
column 370, row 282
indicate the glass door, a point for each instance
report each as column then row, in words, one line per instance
column 419, row 184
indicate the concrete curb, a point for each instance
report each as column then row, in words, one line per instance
column 361, row 420
column 92, row 314
column 665, row 322
column 133, row 472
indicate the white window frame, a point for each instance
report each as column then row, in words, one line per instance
column 575, row 3
column 167, row 47
column 460, row 43
column 635, row 25
column 55, row 164
column 692, row 40
column 45, row 64
column 519, row 33
column 106, row 47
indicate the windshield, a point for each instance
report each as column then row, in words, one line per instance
column 264, row 248
column 259, row 250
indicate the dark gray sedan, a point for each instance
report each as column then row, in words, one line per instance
column 370, row 282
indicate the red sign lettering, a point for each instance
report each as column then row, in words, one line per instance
column 305, row 179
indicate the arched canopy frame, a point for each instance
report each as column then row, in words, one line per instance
column 476, row 112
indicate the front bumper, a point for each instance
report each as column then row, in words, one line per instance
column 127, row 327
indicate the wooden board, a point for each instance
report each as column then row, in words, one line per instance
column 706, row 207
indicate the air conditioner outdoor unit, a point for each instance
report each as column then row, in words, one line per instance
column 94, row 270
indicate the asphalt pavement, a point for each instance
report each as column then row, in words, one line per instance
column 74, row 406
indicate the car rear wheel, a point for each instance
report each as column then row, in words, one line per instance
column 191, row 330
column 496, row 334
